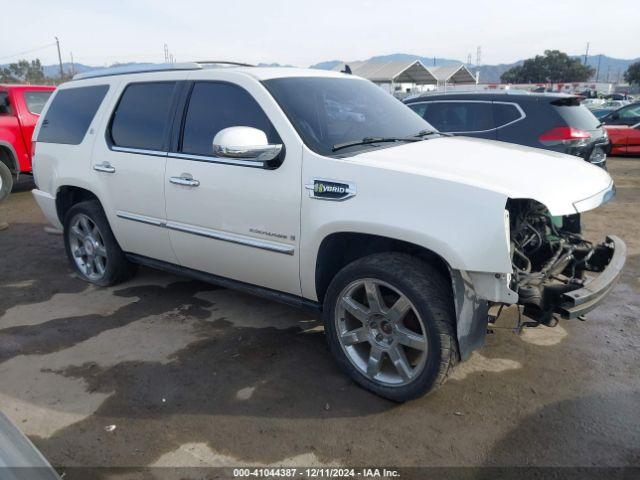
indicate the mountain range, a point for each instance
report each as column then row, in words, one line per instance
column 610, row 68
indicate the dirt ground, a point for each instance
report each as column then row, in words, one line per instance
column 164, row 371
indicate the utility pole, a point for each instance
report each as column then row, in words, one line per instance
column 59, row 58
column 586, row 54
column 598, row 69
column 73, row 66
column 166, row 53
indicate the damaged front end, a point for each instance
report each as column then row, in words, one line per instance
column 555, row 270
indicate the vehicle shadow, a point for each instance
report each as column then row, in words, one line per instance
column 561, row 431
column 33, row 266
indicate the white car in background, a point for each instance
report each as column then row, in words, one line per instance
column 592, row 103
column 321, row 190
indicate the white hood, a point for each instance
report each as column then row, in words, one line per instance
column 563, row 183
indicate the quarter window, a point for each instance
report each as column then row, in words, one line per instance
column 70, row 114
column 215, row 106
column 505, row 113
column 36, row 101
column 141, row 118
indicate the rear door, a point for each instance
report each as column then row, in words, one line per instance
column 10, row 138
column 128, row 166
column 31, row 103
column 472, row 118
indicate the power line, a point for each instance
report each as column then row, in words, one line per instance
column 28, row 51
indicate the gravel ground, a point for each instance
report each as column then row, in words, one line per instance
column 164, row 371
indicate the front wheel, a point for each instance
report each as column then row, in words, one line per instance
column 91, row 246
column 390, row 323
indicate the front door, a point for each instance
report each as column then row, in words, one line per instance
column 129, row 165
column 634, row 140
column 227, row 217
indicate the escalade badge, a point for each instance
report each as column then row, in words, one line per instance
column 322, row 189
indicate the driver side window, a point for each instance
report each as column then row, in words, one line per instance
column 214, row 106
column 632, row 112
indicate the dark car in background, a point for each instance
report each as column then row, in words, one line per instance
column 555, row 122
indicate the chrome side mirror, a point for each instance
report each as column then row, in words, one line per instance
column 245, row 143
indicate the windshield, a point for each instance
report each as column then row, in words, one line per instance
column 332, row 111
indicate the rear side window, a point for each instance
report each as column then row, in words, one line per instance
column 70, row 114
column 505, row 113
column 215, row 106
column 141, row 118
column 36, row 101
column 457, row 117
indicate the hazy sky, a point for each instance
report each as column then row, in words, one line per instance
column 305, row 32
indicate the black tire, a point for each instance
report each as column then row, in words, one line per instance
column 6, row 181
column 431, row 295
column 117, row 267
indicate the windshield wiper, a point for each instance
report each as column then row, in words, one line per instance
column 426, row 133
column 370, row 140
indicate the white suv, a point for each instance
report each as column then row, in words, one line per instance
column 321, row 190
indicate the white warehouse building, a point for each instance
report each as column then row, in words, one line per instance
column 402, row 77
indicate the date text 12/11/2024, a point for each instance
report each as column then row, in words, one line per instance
column 316, row 472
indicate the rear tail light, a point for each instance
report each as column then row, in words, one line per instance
column 565, row 135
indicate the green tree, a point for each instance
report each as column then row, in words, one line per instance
column 23, row 71
column 632, row 75
column 552, row 67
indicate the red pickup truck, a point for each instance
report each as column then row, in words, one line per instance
column 20, row 107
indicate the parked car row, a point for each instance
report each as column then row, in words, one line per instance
column 320, row 190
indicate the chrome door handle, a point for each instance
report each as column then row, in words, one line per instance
column 104, row 167
column 189, row 182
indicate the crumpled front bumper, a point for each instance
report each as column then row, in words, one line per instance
column 578, row 302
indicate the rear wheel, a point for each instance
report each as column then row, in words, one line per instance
column 91, row 246
column 390, row 324
column 6, row 181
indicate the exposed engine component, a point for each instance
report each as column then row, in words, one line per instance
column 549, row 257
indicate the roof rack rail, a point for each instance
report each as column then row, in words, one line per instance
column 156, row 67
column 125, row 69
column 223, row 62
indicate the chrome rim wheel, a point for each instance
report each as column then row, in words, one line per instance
column 381, row 332
column 87, row 247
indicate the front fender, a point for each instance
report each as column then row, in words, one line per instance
column 463, row 224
